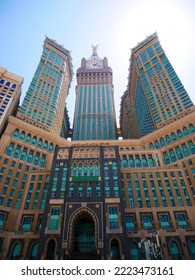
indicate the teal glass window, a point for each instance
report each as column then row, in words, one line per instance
column 10, row 149
column 134, row 251
column 147, row 221
column 185, row 150
column 192, row 147
column 16, row 251
column 164, row 221
column 131, row 162
column 181, row 219
column 113, row 218
column 54, row 218
column 2, row 221
column 130, row 223
column 34, row 251
column 26, row 225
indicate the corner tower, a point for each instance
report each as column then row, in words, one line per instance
column 44, row 103
column 155, row 96
column 94, row 117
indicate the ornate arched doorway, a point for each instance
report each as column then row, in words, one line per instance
column 115, row 250
column 84, row 236
column 51, row 247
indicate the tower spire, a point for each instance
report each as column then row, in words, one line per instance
column 94, row 49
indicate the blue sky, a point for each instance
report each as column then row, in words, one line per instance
column 115, row 25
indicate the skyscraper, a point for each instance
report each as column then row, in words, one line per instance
column 104, row 198
column 94, row 116
column 44, row 102
column 155, row 96
column 10, row 91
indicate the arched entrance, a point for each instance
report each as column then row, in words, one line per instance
column 50, row 255
column 175, row 253
column 134, row 251
column 84, row 241
column 115, row 251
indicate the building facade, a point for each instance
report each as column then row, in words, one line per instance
column 44, row 103
column 101, row 198
column 155, row 95
column 10, row 92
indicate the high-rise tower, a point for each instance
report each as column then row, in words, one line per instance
column 155, row 96
column 44, row 103
column 94, row 111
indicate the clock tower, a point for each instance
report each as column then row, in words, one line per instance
column 94, row 117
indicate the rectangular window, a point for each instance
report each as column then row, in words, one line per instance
column 26, row 225
column 54, row 218
column 130, row 223
column 147, row 221
column 164, row 221
column 181, row 219
column 113, row 218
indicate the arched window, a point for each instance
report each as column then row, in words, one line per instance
column 162, row 141
column 39, row 143
column 134, row 251
column 185, row 150
column 80, row 169
column 124, row 162
column 185, row 131
column 8, row 84
column 45, row 145
column 10, row 149
column 22, row 135
column 151, row 146
column 17, row 151
column 34, row 140
column 179, row 133
column 97, row 171
column 74, row 170
column 42, row 162
column 157, row 145
column 131, row 161
column 175, row 253
column 50, row 147
column 192, row 147
column 178, row 153
column 173, row 136
column 192, row 249
column 36, row 159
column 30, row 157
column 144, row 161
column 16, row 252
column 138, row 161
column 14, row 86
column 23, row 154
column 172, row 155
column 151, row 161
column 34, row 251
column 168, row 139
column 192, row 128
column 28, row 138
column 2, row 81
column 166, row 158
column 85, row 169
column 15, row 133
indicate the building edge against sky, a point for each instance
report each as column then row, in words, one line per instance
column 155, row 95
column 101, row 198
column 45, row 101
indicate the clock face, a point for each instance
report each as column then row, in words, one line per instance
column 94, row 64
